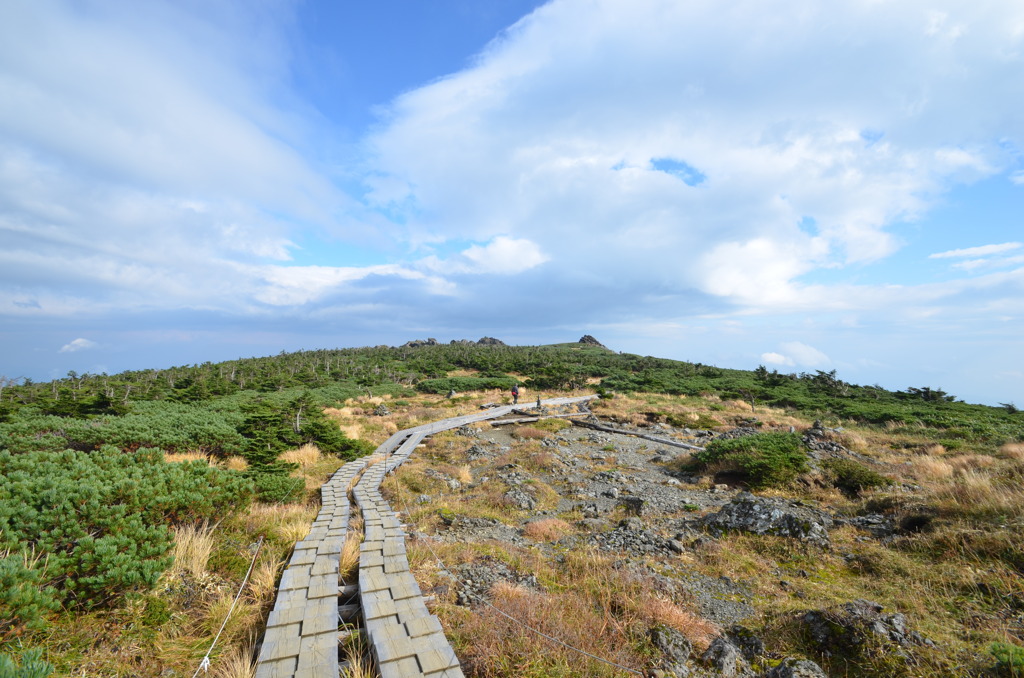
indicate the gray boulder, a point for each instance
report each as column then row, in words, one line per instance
column 853, row 628
column 748, row 513
column 796, row 668
column 726, row 659
column 674, row 647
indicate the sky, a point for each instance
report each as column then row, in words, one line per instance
column 803, row 184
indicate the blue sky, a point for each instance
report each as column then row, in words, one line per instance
column 801, row 184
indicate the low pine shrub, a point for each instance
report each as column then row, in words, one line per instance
column 1009, row 659
column 98, row 522
column 23, row 604
column 277, row 488
column 853, row 478
column 763, row 459
column 29, row 665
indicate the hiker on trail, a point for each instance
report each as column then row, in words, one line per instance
column 515, row 394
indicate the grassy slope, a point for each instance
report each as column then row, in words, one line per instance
column 960, row 580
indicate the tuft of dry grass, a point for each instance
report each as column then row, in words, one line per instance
column 348, row 564
column 305, row 456
column 263, row 582
column 289, row 522
column 546, row 529
column 1014, row 451
column 357, row 656
column 976, row 492
column 180, row 457
column 932, row 468
column 237, row 662
column 464, row 474
column 193, row 545
column 972, row 461
column 933, row 450
column 697, row 630
column 529, row 433
column 236, row 463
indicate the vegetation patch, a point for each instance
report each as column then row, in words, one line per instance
column 853, row 478
column 763, row 459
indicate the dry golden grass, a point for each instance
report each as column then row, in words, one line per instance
column 972, row 461
column 697, row 630
column 546, row 529
column 932, row 468
column 245, row 621
column 263, row 582
column 349, row 559
column 305, row 456
column 491, row 645
column 1014, row 451
column 235, row 463
column 237, row 662
column 976, row 492
column 464, row 474
column 179, row 457
column 934, row 450
column 193, row 545
column 290, row 522
column 357, row 655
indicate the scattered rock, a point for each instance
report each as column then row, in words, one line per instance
column 749, row 645
column 382, row 410
column 479, row 576
column 416, row 343
column 796, row 668
column 675, row 648
column 747, row 513
column 490, row 341
column 518, row 497
column 850, row 628
column 726, row 659
column 587, row 339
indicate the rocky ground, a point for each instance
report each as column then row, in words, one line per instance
column 631, row 498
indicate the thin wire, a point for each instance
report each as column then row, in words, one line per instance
column 205, row 664
column 506, row 614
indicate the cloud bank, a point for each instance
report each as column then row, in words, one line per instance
column 671, row 172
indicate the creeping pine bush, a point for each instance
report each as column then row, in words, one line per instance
column 853, row 478
column 22, row 603
column 29, row 665
column 279, row 488
column 1009, row 660
column 97, row 523
column 764, row 459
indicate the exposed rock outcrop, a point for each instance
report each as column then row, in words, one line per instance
column 853, row 628
column 759, row 515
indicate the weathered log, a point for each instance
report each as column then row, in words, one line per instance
column 660, row 441
column 527, row 420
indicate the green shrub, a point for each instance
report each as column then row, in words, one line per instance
column 279, row 488
column 29, row 665
column 853, row 478
column 463, row 384
column 100, row 520
column 1009, row 659
column 23, row 604
column 764, row 459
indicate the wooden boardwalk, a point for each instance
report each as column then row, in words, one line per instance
column 406, row 640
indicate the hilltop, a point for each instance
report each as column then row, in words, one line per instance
column 812, row 499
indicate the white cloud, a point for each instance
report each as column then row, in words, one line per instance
column 77, row 345
column 772, row 358
column 501, row 256
column 981, row 251
column 807, row 161
column 805, row 355
column 1018, row 177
